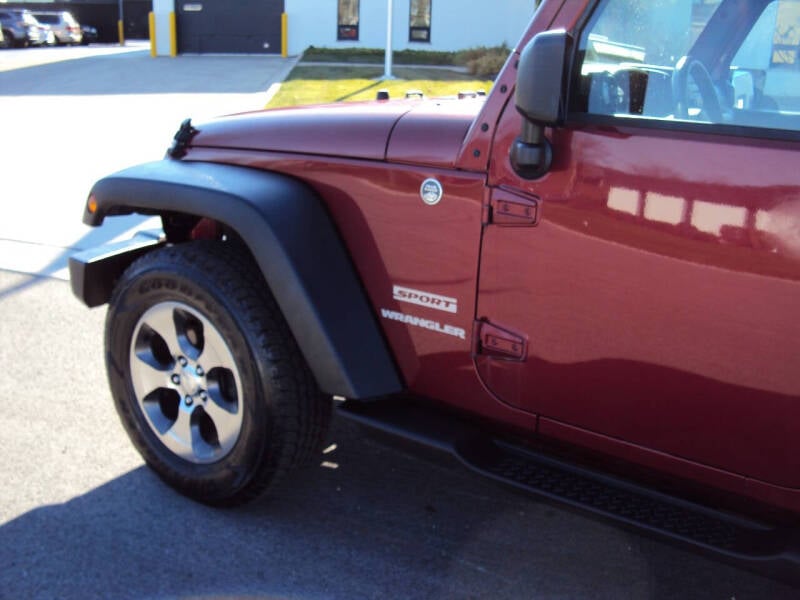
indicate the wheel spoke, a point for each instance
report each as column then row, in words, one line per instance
column 161, row 321
column 146, row 378
column 180, row 437
column 161, row 408
column 227, row 423
column 189, row 330
column 215, row 352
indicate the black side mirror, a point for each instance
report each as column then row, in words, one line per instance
column 539, row 97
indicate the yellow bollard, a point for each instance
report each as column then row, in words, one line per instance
column 151, row 22
column 121, row 32
column 173, row 35
column 284, row 35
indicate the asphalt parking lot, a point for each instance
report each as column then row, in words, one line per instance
column 82, row 517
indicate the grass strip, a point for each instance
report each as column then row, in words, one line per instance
column 323, row 85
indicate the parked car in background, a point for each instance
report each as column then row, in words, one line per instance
column 48, row 37
column 64, row 26
column 21, row 28
column 88, row 34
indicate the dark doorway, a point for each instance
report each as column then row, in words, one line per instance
column 241, row 26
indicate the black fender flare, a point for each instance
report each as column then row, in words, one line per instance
column 288, row 230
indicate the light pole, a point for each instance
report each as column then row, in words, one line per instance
column 387, row 63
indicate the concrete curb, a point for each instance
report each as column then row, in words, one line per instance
column 273, row 89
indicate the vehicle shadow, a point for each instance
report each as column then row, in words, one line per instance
column 374, row 522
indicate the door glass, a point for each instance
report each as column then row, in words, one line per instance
column 726, row 62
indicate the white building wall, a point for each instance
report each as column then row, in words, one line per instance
column 455, row 24
column 162, row 10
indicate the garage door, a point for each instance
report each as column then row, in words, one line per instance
column 245, row 26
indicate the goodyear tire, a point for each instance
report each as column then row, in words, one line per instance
column 205, row 375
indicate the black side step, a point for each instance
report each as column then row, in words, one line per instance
column 747, row 543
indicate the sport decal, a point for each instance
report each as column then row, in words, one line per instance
column 420, row 298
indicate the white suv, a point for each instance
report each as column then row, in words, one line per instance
column 66, row 29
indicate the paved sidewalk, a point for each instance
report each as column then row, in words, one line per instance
column 73, row 115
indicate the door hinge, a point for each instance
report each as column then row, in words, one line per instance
column 498, row 342
column 513, row 209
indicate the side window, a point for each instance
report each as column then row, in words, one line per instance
column 630, row 51
column 347, row 20
column 727, row 62
column 419, row 28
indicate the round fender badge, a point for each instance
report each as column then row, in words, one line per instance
column 431, row 192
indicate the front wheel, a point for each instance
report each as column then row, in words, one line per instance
column 206, row 377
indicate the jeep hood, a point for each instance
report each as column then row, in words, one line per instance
column 428, row 132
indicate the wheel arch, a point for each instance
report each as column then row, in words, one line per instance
column 295, row 244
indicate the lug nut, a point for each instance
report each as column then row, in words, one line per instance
column 199, row 370
column 176, row 379
column 203, row 396
column 188, row 401
column 183, row 362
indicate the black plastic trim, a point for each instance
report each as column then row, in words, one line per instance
column 298, row 249
column 93, row 273
column 763, row 547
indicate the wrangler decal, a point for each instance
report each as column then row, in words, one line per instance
column 424, row 323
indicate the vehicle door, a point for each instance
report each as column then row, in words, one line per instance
column 651, row 296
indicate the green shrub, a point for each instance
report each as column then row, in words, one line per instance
column 488, row 65
column 377, row 55
column 424, row 57
column 483, row 61
column 366, row 55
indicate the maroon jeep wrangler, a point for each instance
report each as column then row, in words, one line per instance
column 586, row 284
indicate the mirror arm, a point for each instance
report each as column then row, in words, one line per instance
column 531, row 153
column 532, row 133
